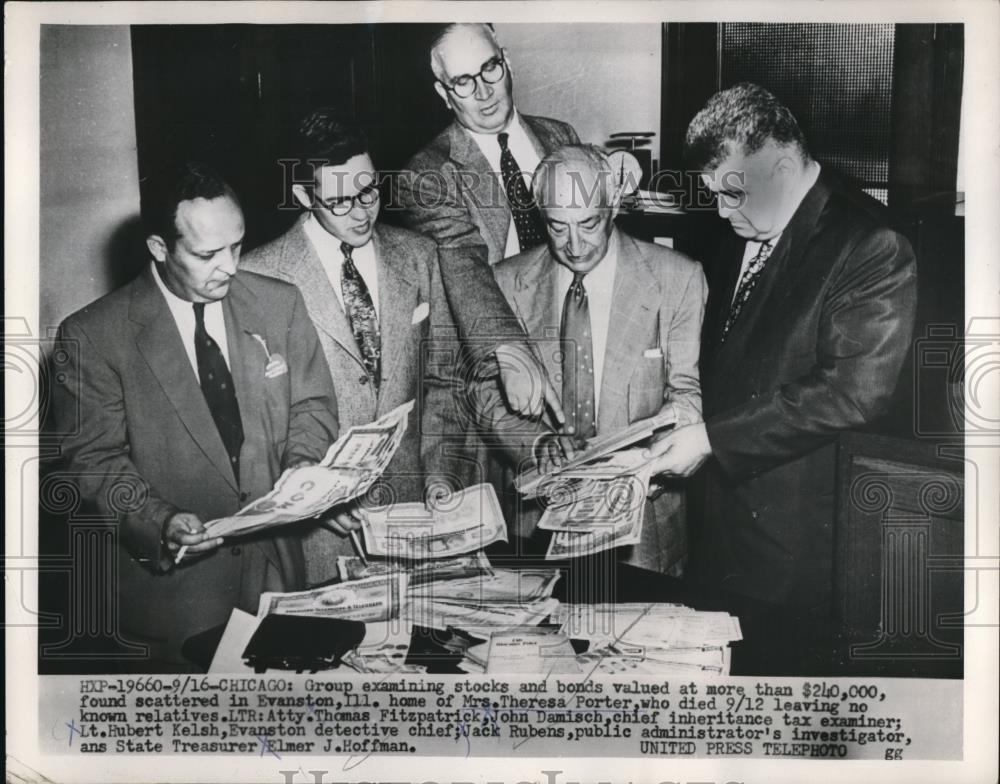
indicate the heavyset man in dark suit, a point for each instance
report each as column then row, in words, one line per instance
column 809, row 320
column 468, row 190
column 627, row 316
column 375, row 296
column 196, row 384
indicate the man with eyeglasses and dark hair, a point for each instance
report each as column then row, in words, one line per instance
column 375, row 296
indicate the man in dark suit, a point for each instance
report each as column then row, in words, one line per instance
column 195, row 386
column 375, row 296
column 627, row 316
column 469, row 191
column 810, row 316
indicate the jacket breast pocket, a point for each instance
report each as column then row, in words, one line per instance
column 645, row 389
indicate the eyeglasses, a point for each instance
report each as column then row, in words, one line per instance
column 465, row 85
column 366, row 197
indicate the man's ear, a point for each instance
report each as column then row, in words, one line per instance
column 439, row 88
column 785, row 168
column 301, row 195
column 157, row 247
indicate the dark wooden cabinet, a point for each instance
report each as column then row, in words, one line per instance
column 899, row 568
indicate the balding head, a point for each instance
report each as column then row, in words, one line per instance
column 575, row 189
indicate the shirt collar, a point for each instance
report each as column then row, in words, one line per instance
column 514, row 126
column 327, row 245
column 173, row 301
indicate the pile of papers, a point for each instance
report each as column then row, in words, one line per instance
column 652, row 201
column 428, row 569
column 649, row 639
column 608, row 639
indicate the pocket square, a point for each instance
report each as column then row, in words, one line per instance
column 652, row 353
column 276, row 366
column 420, row 312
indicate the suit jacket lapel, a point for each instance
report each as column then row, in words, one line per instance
column 537, row 304
column 634, row 302
column 488, row 196
column 397, row 298
column 247, row 357
column 160, row 344
column 302, row 266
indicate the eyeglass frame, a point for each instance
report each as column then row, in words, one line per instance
column 370, row 192
column 500, row 60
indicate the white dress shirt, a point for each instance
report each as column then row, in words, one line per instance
column 599, row 284
column 524, row 153
column 183, row 313
column 332, row 257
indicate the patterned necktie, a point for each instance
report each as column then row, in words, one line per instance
column 217, row 387
column 361, row 313
column 750, row 278
column 578, row 361
column 527, row 219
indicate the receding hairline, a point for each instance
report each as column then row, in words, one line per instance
column 484, row 29
column 574, row 162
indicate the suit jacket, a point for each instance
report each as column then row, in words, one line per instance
column 419, row 351
column 650, row 363
column 816, row 351
column 450, row 194
column 142, row 444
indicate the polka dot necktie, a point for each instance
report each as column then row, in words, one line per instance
column 527, row 218
column 578, row 361
column 361, row 313
column 750, row 278
column 217, row 387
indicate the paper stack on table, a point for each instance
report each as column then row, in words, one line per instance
column 490, row 605
column 650, row 639
column 465, row 591
column 430, row 576
column 377, row 598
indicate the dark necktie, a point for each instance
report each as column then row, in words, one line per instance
column 527, row 219
column 217, row 387
column 578, row 361
column 750, row 278
column 361, row 313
